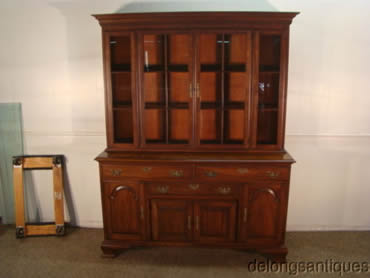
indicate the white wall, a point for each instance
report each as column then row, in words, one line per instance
column 50, row 61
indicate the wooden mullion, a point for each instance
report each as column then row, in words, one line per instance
column 248, row 93
column 166, row 83
column 222, row 88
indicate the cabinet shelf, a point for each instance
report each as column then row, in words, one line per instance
column 161, row 141
column 269, row 68
column 218, row 67
column 172, row 68
column 227, row 106
column 174, row 105
column 125, row 140
column 120, row 68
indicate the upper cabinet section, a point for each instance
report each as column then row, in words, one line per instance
column 203, row 81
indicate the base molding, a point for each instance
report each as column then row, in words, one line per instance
column 112, row 248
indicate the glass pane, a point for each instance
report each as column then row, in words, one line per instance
column 234, row 127
column 210, row 126
column 154, row 126
column 167, row 80
column 268, row 89
column 120, row 52
column 11, row 144
column 179, row 123
column 267, row 127
column 123, row 129
column 235, row 52
column 223, row 87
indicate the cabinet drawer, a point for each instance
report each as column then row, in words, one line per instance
column 233, row 173
column 193, row 189
column 143, row 171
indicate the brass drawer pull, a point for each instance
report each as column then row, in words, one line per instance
column 194, row 186
column 176, row 173
column 272, row 174
column 162, row 189
column 210, row 174
column 142, row 212
column 147, row 169
column 190, row 90
column 245, row 215
column 189, row 223
column 197, row 223
column 224, row 189
column 116, row 172
column 243, row 170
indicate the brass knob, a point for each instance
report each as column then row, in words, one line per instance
column 272, row 174
column 176, row 173
column 163, row 189
column 243, row 170
column 194, row 186
column 210, row 174
column 116, row 172
column 147, row 169
column 224, row 189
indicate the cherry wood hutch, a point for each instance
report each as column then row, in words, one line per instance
column 195, row 118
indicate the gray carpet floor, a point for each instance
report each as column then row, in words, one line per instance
column 78, row 255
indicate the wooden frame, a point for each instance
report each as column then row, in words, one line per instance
column 28, row 162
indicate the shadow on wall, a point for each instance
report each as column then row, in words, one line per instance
column 239, row 5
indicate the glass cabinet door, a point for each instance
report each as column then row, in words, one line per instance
column 223, row 80
column 268, row 89
column 167, row 88
column 121, row 73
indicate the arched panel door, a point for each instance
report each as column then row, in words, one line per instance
column 263, row 215
column 124, row 212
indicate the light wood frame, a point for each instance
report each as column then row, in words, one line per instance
column 37, row 162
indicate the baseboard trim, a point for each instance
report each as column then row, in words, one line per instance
column 82, row 133
column 320, row 228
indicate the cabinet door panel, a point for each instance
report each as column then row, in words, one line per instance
column 215, row 221
column 171, row 220
column 123, row 211
column 223, row 74
column 120, row 85
column 270, row 71
column 263, row 213
column 167, row 89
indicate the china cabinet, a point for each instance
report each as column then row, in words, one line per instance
column 195, row 117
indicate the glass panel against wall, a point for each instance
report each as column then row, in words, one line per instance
column 223, row 81
column 268, row 88
column 121, row 75
column 167, row 88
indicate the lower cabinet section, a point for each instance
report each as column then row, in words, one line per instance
column 249, row 215
column 256, row 216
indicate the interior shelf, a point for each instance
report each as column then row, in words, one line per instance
column 174, row 68
column 124, row 140
column 217, row 105
column 173, row 105
column 117, row 68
